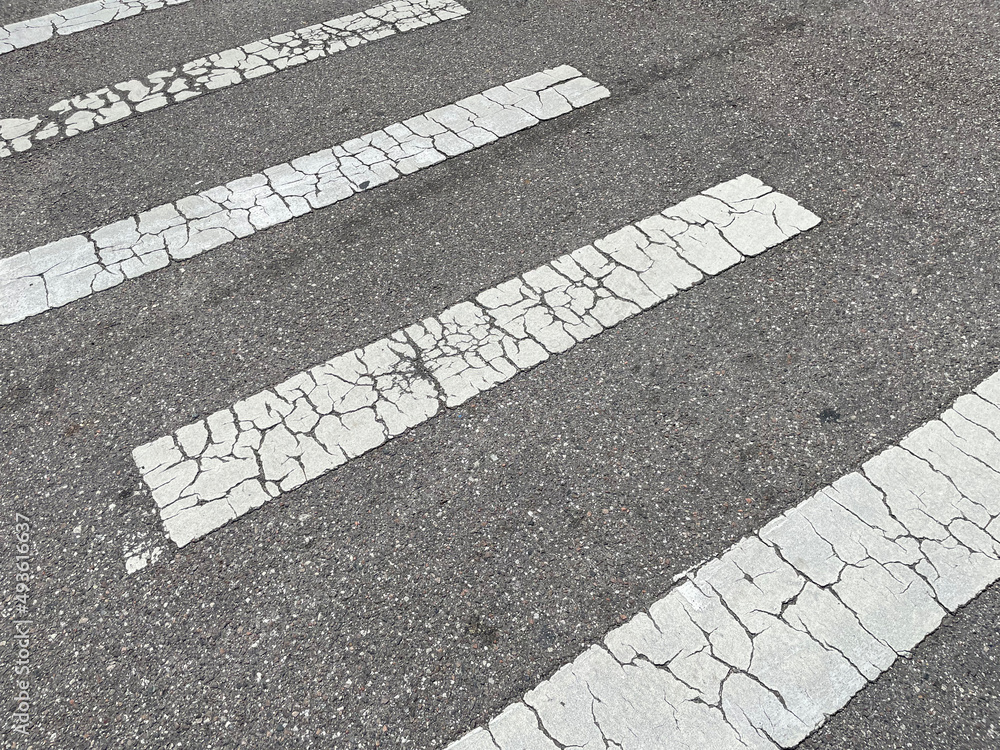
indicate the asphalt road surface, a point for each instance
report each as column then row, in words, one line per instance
column 416, row 591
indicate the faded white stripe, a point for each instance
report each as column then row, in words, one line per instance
column 758, row 647
column 219, row 468
column 78, row 18
column 75, row 267
column 80, row 114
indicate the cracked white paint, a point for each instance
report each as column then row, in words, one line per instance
column 75, row 267
column 78, row 18
column 219, row 468
column 80, row 114
column 141, row 556
column 758, row 647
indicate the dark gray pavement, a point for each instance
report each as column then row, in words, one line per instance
column 415, row 592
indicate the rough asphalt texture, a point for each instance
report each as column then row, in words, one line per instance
column 415, row 592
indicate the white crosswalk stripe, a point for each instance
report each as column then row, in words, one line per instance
column 754, row 649
column 222, row 467
column 758, row 647
column 75, row 267
column 80, row 114
column 72, row 20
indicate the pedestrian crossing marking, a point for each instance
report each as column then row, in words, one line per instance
column 756, row 648
column 217, row 469
column 76, row 267
column 21, row 34
column 232, row 67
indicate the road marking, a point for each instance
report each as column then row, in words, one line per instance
column 232, row 67
column 758, row 647
column 219, row 468
column 79, row 18
column 140, row 555
column 70, row 269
